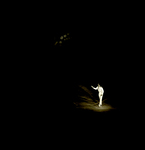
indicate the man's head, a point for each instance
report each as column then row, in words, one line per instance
column 98, row 85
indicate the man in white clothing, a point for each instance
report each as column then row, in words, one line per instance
column 101, row 92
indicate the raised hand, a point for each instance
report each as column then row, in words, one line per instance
column 92, row 87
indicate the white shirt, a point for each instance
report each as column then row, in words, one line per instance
column 100, row 89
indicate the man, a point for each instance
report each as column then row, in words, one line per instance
column 101, row 92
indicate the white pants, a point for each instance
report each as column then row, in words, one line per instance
column 100, row 97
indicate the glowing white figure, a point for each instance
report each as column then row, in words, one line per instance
column 101, row 92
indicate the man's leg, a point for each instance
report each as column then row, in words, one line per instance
column 100, row 103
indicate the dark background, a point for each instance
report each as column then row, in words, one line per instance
column 102, row 55
column 106, row 46
column 104, row 49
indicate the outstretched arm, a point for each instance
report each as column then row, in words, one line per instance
column 94, row 87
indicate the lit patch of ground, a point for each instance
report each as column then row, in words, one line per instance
column 94, row 106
